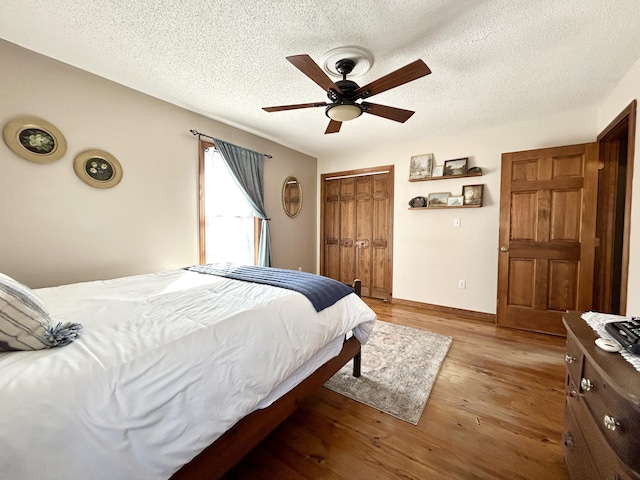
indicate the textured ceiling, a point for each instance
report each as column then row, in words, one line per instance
column 492, row 61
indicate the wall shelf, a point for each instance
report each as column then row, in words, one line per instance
column 444, row 207
column 445, row 177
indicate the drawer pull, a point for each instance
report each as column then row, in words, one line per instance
column 568, row 358
column 568, row 440
column 585, row 384
column 610, row 422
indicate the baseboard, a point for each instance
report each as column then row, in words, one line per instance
column 458, row 312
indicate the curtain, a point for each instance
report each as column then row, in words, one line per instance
column 247, row 168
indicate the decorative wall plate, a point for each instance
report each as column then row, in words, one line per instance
column 98, row 168
column 35, row 139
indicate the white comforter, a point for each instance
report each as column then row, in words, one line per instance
column 166, row 364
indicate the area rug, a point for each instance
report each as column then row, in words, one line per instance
column 399, row 367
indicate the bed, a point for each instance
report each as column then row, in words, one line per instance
column 176, row 375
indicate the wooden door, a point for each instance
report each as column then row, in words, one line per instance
column 547, row 236
column 363, row 222
column 381, row 235
column 356, row 229
column 348, row 231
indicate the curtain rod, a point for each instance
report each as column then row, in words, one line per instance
column 195, row 132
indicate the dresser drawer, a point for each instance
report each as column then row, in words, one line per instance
column 617, row 419
column 574, row 357
column 577, row 456
column 601, row 456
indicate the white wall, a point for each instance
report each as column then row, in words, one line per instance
column 430, row 255
column 55, row 229
column 622, row 95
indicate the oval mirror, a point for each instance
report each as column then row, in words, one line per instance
column 292, row 196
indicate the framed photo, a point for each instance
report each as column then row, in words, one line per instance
column 455, row 201
column 35, row 139
column 438, row 171
column 98, row 168
column 420, row 166
column 472, row 194
column 438, row 199
column 458, row 166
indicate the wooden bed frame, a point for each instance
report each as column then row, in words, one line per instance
column 219, row 457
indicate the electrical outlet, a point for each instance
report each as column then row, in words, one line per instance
column 462, row 284
column 456, row 222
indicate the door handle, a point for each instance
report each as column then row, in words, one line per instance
column 504, row 248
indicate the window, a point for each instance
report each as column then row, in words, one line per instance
column 227, row 222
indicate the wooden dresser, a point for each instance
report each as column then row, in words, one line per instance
column 601, row 437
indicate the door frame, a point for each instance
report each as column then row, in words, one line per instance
column 359, row 173
column 610, row 137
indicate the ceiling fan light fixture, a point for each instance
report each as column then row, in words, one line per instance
column 343, row 112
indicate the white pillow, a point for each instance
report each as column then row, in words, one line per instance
column 25, row 322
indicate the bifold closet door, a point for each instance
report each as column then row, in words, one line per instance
column 356, row 224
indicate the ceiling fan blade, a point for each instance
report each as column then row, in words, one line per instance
column 401, row 76
column 333, row 127
column 306, row 65
column 392, row 113
column 293, row 107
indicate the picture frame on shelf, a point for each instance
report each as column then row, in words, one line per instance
column 438, row 199
column 459, row 166
column 473, row 194
column 455, row 201
column 438, row 171
column 420, row 166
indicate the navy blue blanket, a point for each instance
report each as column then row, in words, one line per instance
column 321, row 291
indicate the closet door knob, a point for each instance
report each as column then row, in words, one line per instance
column 504, row 248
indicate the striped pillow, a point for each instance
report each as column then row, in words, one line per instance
column 25, row 323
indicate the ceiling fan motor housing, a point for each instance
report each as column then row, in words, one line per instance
column 347, row 87
column 347, row 108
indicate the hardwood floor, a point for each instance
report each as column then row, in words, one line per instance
column 495, row 412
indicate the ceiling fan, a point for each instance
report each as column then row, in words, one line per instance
column 345, row 95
